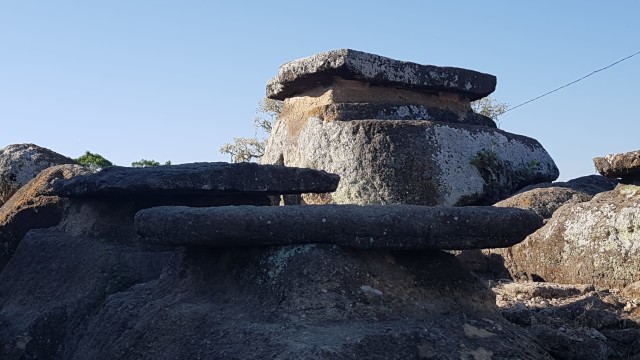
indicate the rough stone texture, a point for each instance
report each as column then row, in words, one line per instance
column 55, row 283
column 33, row 206
column 625, row 165
column 306, row 302
column 595, row 242
column 349, row 112
column 299, row 75
column 579, row 322
column 20, row 163
column 216, row 179
column 345, row 100
column 544, row 199
column 365, row 227
column 411, row 162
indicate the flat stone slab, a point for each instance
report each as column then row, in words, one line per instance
column 364, row 227
column 625, row 165
column 317, row 70
column 199, row 178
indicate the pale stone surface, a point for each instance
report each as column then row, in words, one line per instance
column 20, row 163
column 595, row 242
column 625, row 165
column 299, row 75
column 345, row 100
column 411, row 162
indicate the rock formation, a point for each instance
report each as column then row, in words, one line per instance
column 592, row 242
column 544, row 199
column 22, row 162
column 625, row 166
column 33, row 206
column 90, row 288
column 398, row 132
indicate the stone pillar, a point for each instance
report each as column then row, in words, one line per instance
column 398, row 132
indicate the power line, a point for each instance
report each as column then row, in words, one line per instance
column 573, row 82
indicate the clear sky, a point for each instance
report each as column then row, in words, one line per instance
column 174, row 80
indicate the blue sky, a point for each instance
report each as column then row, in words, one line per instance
column 174, row 80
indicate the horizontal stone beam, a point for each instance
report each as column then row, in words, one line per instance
column 624, row 165
column 300, row 75
column 217, row 178
column 364, row 227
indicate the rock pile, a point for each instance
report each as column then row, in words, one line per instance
column 343, row 292
column 590, row 242
column 398, row 132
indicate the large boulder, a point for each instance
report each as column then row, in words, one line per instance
column 624, row 165
column 593, row 242
column 412, row 162
column 22, row 162
column 33, row 206
column 306, row 302
column 544, row 199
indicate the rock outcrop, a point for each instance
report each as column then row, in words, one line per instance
column 625, row 166
column 59, row 278
column 593, row 242
column 33, row 206
column 22, row 162
column 544, row 199
column 112, row 294
column 398, row 132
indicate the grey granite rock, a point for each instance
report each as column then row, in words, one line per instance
column 365, row 227
column 592, row 242
column 411, row 162
column 20, row 163
column 625, row 165
column 198, row 179
column 299, row 75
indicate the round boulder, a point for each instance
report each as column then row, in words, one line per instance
column 20, row 163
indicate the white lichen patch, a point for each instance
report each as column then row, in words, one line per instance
column 457, row 147
column 278, row 260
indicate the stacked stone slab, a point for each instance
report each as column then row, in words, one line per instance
column 245, row 280
column 398, row 132
column 625, row 166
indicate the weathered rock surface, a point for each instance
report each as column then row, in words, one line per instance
column 544, row 199
column 198, row 179
column 54, row 285
column 20, row 163
column 594, row 242
column 411, row 162
column 579, row 322
column 306, row 302
column 33, row 206
column 365, row 227
column 625, row 165
column 347, row 100
column 299, row 75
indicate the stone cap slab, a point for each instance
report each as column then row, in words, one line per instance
column 299, row 75
column 624, row 165
column 199, row 178
column 364, row 227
